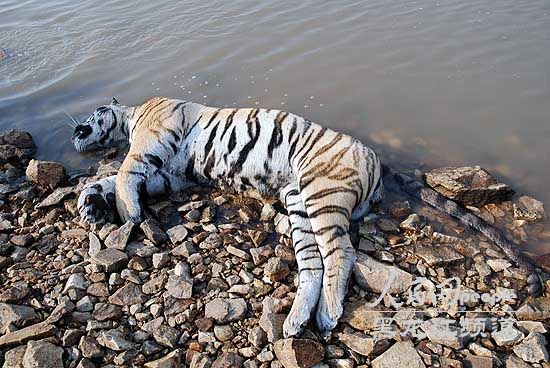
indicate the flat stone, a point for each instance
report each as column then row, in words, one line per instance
column 36, row 331
column 298, row 353
column 507, row 337
column 359, row 343
column 238, row 252
column 512, row 361
column 153, row 232
column 440, row 332
column 401, row 355
column 171, row 360
column 127, row 295
column 41, row 354
column 361, row 316
column 112, row 260
column 45, row 173
column 185, row 249
column 437, row 255
column 56, row 197
column 471, row 186
column 498, row 265
column 533, row 349
column 473, row 361
column 177, row 234
column 373, row 275
column 226, row 310
column 118, row 239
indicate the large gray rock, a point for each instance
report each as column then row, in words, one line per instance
column 41, row 354
column 226, row 310
column 533, row 349
column 127, row 295
column 119, row 237
column 180, row 283
column 373, row 275
column 17, row 315
column 471, row 185
column 401, row 355
column 14, row 357
column 298, row 353
column 111, row 259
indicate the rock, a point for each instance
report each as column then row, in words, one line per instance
column 373, row 275
column 276, row 269
column 160, row 259
column 14, row 357
column 94, row 245
column 361, row 344
column 470, row 186
column 238, row 252
column 153, row 232
column 529, row 209
column 257, row 337
column 436, row 255
column 17, row 315
column 90, row 348
column 118, row 238
column 17, row 138
column 401, row 355
column 180, row 284
column 41, row 354
column 3, row 54
column 513, row 361
column 534, row 310
column 166, row 336
column 498, row 265
column 127, row 295
column 223, row 333
column 473, row 361
column 115, row 340
column 226, row 310
column 46, row 173
column 272, row 324
column 172, row 360
column 533, row 348
column 177, row 234
column 261, row 254
column 112, row 260
column 508, row 336
column 56, row 197
column 298, row 353
column 361, row 316
column 282, row 224
column 76, row 281
column 36, row 331
column 185, row 249
column 107, row 312
column 228, row 360
column 439, row 331
column 200, row 360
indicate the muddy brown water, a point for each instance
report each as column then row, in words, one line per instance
column 425, row 82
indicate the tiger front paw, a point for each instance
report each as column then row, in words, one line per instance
column 95, row 206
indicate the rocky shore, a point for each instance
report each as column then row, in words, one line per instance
column 208, row 279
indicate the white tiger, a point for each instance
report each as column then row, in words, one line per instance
column 324, row 178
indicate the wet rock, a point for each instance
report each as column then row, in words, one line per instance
column 226, row 310
column 298, row 353
column 276, row 270
column 533, row 349
column 118, row 239
column 46, row 173
column 127, row 295
column 153, row 232
column 438, row 255
column 228, row 360
column 41, row 354
column 111, row 259
column 529, row 209
column 16, row 147
column 373, row 275
column 401, row 355
column 472, row 186
column 17, row 315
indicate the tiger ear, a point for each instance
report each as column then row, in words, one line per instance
column 114, row 102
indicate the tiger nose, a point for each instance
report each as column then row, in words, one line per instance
column 82, row 131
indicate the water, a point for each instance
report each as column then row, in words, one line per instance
column 432, row 82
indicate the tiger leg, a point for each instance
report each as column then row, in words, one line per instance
column 330, row 223
column 310, row 265
column 96, row 203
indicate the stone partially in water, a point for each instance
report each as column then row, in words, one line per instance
column 470, row 186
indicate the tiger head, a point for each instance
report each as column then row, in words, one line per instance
column 104, row 128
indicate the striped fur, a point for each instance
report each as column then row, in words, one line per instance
column 323, row 177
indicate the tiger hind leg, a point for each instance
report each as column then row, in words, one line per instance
column 330, row 223
column 310, row 264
